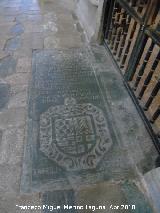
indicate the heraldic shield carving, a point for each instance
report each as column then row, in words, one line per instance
column 75, row 136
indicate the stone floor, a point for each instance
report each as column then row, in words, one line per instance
column 39, row 32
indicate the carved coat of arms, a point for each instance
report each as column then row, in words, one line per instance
column 75, row 136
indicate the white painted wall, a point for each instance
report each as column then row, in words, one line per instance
column 89, row 13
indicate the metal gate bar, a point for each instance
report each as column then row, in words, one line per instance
column 132, row 34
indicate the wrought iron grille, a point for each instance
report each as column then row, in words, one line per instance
column 132, row 34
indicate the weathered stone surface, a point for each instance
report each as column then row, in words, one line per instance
column 13, row 44
column 132, row 132
column 24, row 51
column 79, row 27
column 12, row 203
column 10, row 178
column 32, row 41
column 11, row 11
column 50, row 26
column 24, row 64
column 136, row 195
column 151, row 181
column 61, row 42
column 17, row 29
column 18, row 88
column 6, row 26
column 7, row 66
column 1, row 133
column 32, row 27
column 64, row 88
column 3, row 54
column 40, row 20
column 11, row 146
column 4, row 93
column 35, row 17
column 61, row 199
column 113, row 197
column 19, row 98
column 102, row 194
column 18, row 79
column 6, row 19
column 102, row 57
column 2, row 42
column 13, row 117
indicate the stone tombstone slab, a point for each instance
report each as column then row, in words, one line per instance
column 68, row 131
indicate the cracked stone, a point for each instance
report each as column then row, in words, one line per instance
column 13, row 44
column 3, row 54
column 2, row 42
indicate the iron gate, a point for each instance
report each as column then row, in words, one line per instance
column 132, row 34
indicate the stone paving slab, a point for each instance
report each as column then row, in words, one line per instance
column 18, row 97
column 18, row 79
column 61, row 42
column 19, row 203
column 7, row 66
column 60, row 198
column 110, row 197
column 13, row 44
column 17, row 29
column 10, row 179
column 43, row 24
column 12, row 146
column 113, row 197
column 13, row 117
column 74, row 147
column 24, row 64
column 130, row 129
column 4, row 93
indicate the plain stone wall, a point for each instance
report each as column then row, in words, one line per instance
column 90, row 14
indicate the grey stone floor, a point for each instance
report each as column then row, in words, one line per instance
column 47, row 24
